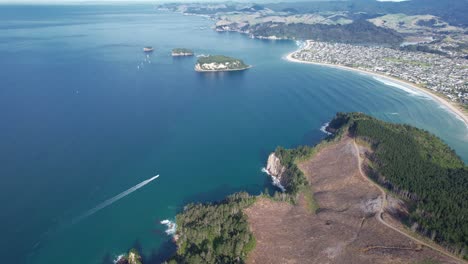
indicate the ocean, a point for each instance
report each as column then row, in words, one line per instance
column 88, row 120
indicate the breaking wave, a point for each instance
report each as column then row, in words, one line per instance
column 275, row 180
column 411, row 91
column 171, row 227
column 118, row 258
column 323, row 128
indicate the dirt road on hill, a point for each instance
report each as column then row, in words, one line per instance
column 346, row 229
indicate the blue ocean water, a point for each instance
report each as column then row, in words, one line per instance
column 86, row 115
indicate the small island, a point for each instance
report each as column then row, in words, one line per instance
column 182, row 52
column 216, row 63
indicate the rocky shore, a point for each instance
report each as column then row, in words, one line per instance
column 275, row 170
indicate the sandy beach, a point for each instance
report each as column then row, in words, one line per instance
column 452, row 107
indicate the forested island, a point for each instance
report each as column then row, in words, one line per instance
column 182, row 52
column 412, row 164
column 216, row 63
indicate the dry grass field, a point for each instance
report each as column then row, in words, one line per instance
column 344, row 230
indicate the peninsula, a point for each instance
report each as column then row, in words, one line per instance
column 218, row 63
column 335, row 209
column 182, row 52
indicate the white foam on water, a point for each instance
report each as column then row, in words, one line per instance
column 407, row 89
column 171, row 227
column 275, row 181
column 118, row 258
column 114, row 199
column 323, row 128
column 414, row 92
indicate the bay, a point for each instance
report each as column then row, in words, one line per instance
column 86, row 115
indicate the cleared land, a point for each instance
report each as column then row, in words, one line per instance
column 344, row 230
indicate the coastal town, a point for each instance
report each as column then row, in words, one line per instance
column 448, row 76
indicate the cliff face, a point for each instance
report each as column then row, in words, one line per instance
column 274, row 166
column 275, row 170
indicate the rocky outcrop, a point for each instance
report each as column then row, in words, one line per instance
column 274, row 166
column 276, row 170
column 133, row 257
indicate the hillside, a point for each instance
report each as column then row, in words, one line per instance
column 428, row 179
column 418, row 166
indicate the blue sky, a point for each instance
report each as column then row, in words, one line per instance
column 129, row 1
column 104, row 1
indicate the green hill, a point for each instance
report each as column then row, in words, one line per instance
column 420, row 167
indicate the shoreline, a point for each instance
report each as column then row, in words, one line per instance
column 451, row 107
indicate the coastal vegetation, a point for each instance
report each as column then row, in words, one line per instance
column 358, row 32
column 133, row 257
column 411, row 162
column 421, row 168
column 215, row 233
column 293, row 178
column 220, row 63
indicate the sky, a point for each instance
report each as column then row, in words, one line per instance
column 129, row 1
column 147, row 1
column 108, row 1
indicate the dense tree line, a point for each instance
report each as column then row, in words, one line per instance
column 293, row 178
column 421, row 167
column 214, row 233
column 233, row 62
column 359, row 32
column 409, row 161
column 422, row 48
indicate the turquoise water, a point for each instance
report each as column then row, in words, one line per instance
column 86, row 116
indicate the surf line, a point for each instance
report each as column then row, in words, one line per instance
column 113, row 199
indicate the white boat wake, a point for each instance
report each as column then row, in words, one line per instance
column 113, row 199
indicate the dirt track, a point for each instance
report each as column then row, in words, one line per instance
column 345, row 228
